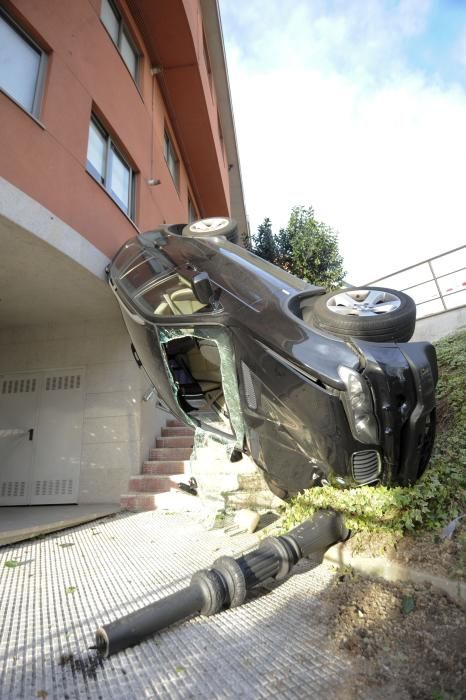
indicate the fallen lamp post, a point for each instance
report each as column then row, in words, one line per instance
column 226, row 584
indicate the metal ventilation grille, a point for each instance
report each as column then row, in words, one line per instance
column 18, row 386
column 63, row 383
column 366, row 466
column 12, row 488
column 251, row 399
column 54, row 487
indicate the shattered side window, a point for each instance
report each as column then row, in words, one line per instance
column 201, row 365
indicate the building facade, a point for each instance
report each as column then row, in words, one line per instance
column 115, row 116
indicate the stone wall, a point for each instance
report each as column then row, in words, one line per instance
column 435, row 327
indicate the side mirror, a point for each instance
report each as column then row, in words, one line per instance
column 202, row 288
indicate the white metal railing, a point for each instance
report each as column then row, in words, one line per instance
column 437, row 284
column 13, row 432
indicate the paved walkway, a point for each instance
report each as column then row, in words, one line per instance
column 69, row 583
column 19, row 523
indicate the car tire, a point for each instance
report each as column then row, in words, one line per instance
column 369, row 313
column 215, row 226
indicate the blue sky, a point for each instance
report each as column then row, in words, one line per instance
column 358, row 108
column 439, row 50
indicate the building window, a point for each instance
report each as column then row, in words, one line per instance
column 220, row 133
column 22, row 66
column 207, row 60
column 172, row 161
column 118, row 31
column 192, row 213
column 106, row 164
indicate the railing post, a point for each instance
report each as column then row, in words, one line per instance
column 429, row 262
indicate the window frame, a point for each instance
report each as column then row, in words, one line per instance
column 207, row 62
column 41, row 71
column 104, row 181
column 184, row 283
column 220, row 133
column 123, row 29
column 169, row 145
column 192, row 210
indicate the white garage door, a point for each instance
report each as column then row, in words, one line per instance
column 41, row 418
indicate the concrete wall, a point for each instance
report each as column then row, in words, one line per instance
column 435, row 327
column 118, row 427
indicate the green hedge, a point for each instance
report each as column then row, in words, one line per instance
column 441, row 493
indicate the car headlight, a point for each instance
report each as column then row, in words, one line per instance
column 359, row 407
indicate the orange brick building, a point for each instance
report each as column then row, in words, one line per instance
column 115, row 116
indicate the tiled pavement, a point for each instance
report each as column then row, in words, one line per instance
column 69, row 583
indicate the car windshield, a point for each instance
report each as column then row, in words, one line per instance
column 134, row 267
column 143, row 271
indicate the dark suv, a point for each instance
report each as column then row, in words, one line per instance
column 315, row 387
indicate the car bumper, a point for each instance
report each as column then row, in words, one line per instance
column 402, row 378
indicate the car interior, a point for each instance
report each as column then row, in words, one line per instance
column 195, row 366
column 172, row 296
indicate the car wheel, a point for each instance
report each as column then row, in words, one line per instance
column 370, row 313
column 216, row 226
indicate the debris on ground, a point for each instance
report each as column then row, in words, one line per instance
column 245, row 520
column 406, row 641
column 425, row 551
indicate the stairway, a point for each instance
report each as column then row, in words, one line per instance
column 157, row 487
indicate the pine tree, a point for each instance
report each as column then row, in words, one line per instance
column 263, row 243
column 284, row 250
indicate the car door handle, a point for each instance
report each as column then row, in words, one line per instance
column 136, row 356
column 31, row 433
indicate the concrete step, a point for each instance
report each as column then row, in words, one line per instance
column 174, row 423
column 175, row 441
column 173, row 501
column 165, row 467
column 172, row 432
column 170, row 453
column 155, row 483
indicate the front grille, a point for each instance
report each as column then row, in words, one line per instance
column 366, row 466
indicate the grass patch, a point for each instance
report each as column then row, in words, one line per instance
column 438, row 497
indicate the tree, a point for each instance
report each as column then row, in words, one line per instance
column 307, row 248
column 284, row 250
column 314, row 249
column 263, row 243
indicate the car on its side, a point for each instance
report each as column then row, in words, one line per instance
column 316, row 387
